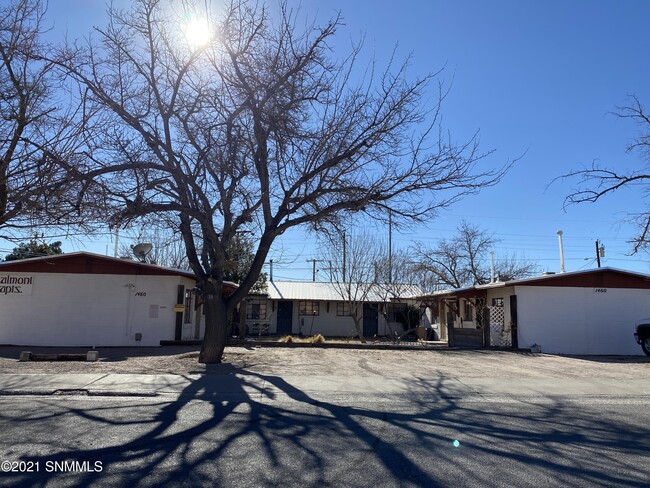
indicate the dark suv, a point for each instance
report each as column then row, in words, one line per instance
column 642, row 335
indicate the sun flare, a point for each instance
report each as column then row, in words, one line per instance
column 198, row 32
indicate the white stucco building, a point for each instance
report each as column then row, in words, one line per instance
column 84, row 299
column 310, row 308
column 582, row 312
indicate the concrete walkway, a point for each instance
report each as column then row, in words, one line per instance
column 242, row 386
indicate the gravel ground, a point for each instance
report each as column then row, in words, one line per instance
column 342, row 362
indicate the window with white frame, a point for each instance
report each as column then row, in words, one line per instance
column 308, row 307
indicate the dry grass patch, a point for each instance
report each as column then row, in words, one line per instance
column 317, row 339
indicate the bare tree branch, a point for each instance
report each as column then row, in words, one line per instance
column 37, row 130
column 259, row 129
column 596, row 181
column 463, row 260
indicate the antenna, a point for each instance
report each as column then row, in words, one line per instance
column 140, row 251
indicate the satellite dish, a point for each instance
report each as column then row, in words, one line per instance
column 141, row 250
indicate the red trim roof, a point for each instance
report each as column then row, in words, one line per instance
column 593, row 278
column 88, row 263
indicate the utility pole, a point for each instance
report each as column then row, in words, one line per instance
column 330, row 269
column 600, row 252
column 271, row 270
column 314, row 261
column 390, row 247
column 344, row 279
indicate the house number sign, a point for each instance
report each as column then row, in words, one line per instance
column 600, row 290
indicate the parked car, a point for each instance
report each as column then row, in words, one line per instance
column 642, row 335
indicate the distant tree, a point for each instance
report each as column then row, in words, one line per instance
column 168, row 249
column 352, row 260
column 255, row 127
column 33, row 249
column 37, row 132
column 239, row 259
column 400, row 277
column 463, row 260
column 400, row 270
column 596, row 181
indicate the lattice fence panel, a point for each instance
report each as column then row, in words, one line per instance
column 499, row 335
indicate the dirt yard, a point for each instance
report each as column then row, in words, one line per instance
column 345, row 362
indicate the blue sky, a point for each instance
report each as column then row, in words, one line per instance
column 537, row 78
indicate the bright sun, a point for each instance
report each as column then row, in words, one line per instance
column 198, row 32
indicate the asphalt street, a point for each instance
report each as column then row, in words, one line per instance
column 275, row 431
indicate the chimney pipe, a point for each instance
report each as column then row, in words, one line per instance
column 559, row 237
column 491, row 266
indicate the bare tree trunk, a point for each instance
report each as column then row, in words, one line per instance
column 216, row 322
column 357, row 326
column 242, row 320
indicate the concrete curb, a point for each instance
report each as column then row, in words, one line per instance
column 242, row 386
column 78, row 392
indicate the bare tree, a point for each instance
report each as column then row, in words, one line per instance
column 596, row 181
column 353, row 270
column 399, row 277
column 36, row 129
column 167, row 246
column 463, row 260
column 257, row 128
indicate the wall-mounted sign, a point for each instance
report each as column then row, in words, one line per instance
column 16, row 285
column 600, row 290
column 179, row 308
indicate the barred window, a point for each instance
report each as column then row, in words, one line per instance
column 308, row 307
column 256, row 310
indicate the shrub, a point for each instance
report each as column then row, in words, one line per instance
column 318, row 339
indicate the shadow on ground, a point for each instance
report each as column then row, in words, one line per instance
column 268, row 433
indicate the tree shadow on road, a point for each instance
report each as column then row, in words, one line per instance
column 245, row 429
